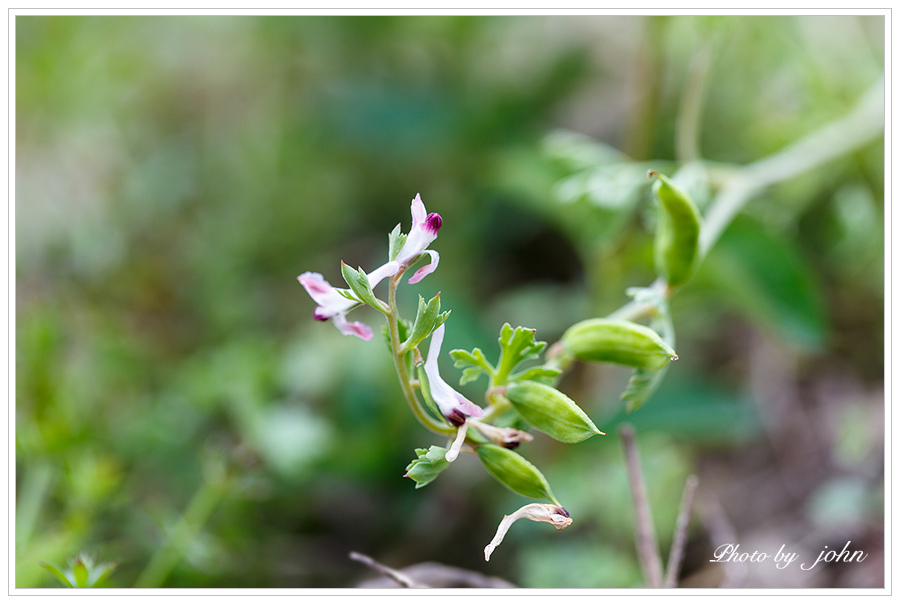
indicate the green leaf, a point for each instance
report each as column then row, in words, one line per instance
column 516, row 346
column 515, row 472
column 347, row 294
column 768, row 280
column 395, row 242
column 551, row 412
column 427, row 466
column 81, row 574
column 428, row 318
column 474, row 363
column 359, row 283
column 56, row 573
column 101, row 572
column 641, row 386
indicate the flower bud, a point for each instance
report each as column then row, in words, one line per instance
column 515, row 472
column 618, row 341
column 677, row 232
column 551, row 412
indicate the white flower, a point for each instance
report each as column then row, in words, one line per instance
column 453, row 405
column 424, row 230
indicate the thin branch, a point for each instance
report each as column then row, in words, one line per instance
column 861, row 126
column 645, row 533
column 400, row 365
column 721, row 531
column 679, row 540
column 396, row 575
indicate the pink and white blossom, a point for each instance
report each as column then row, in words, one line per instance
column 332, row 305
column 424, row 230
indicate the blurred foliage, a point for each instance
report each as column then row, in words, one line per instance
column 178, row 411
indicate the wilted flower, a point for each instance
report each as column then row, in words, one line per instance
column 505, row 437
column 539, row 512
column 453, row 405
column 332, row 305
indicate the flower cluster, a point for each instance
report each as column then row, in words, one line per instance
column 515, row 396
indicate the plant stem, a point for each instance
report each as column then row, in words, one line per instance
column 400, row 364
column 863, row 124
column 645, row 533
column 687, row 128
column 679, row 539
column 402, row 579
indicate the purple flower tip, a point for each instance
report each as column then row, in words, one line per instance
column 433, row 223
column 320, row 317
column 456, row 417
column 562, row 512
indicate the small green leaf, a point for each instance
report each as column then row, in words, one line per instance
column 347, row 294
column 551, row 412
column 395, row 242
column 101, row 572
column 516, row 346
column 641, row 386
column 474, row 362
column 427, row 466
column 359, row 283
column 428, row 318
column 81, row 574
column 56, row 573
column 470, row 374
column 515, row 472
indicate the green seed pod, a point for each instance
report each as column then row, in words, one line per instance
column 618, row 341
column 551, row 412
column 677, row 232
column 515, row 472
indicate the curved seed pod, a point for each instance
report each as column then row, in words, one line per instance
column 515, row 472
column 551, row 412
column 677, row 232
column 618, row 341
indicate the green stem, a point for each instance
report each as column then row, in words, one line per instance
column 191, row 523
column 400, row 364
column 862, row 125
column 687, row 127
column 33, row 493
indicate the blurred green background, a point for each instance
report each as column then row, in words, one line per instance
column 179, row 411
